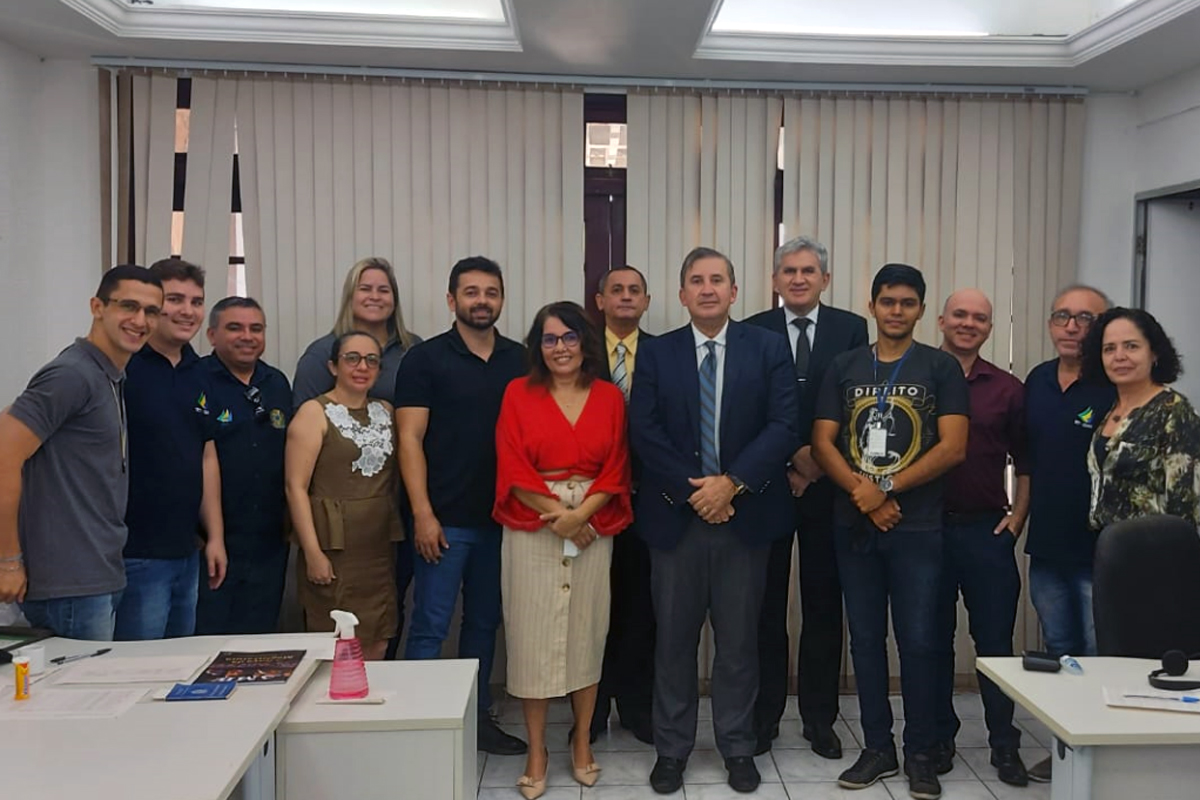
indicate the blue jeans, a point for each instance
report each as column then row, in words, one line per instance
column 249, row 599
column 1062, row 595
column 159, row 601
column 473, row 563
column 982, row 565
column 91, row 617
column 904, row 567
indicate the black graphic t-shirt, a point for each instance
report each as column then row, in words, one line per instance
column 905, row 399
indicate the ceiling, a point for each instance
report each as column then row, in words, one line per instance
column 1144, row 42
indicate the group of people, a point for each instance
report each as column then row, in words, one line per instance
column 601, row 492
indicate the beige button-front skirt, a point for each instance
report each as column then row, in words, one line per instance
column 555, row 607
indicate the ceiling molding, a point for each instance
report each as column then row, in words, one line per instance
column 232, row 25
column 1065, row 52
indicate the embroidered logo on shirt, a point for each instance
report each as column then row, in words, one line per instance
column 225, row 416
column 1085, row 417
column 278, row 422
column 202, row 404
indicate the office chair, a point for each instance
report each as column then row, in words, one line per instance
column 1146, row 589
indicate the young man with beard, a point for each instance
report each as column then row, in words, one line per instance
column 448, row 395
column 64, row 466
column 174, row 480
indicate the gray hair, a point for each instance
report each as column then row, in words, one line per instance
column 698, row 253
column 1081, row 287
column 799, row 245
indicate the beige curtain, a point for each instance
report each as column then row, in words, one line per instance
column 422, row 175
column 153, row 167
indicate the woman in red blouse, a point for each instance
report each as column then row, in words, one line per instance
column 562, row 489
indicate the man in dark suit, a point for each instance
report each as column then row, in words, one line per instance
column 628, row 672
column 713, row 421
column 816, row 333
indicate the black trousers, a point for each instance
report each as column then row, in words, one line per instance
column 820, row 657
column 627, row 675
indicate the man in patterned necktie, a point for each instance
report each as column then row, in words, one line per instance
column 628, row 673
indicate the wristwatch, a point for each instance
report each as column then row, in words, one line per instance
column 739, row 485
column 885, row 484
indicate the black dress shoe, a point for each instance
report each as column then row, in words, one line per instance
column 743, row 774
column 667, row 775
column 763, row 743
column 1009, row 766
column 641, row 728
column 490, row 739
column 825, row 742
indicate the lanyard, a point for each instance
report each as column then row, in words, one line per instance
column 119, row 399
column 882, row 399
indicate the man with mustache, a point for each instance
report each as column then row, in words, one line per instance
column 448, row 395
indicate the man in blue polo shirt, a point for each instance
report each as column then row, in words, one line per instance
column 1061, row 413
column 63, row 464
column 250, row 403
column 174, row 480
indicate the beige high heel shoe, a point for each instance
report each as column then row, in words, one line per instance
column 532, row 789
column 586, row 776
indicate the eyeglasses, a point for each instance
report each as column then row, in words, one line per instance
column 1083, row 319
column 354, row 359
column 550, row 340
column 132, row 307
column 254, row 395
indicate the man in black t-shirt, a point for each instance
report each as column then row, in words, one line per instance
column 891, row 420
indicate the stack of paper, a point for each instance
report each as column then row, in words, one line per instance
column 143, row 669
column 1153, row 699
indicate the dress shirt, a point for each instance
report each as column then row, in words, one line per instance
column 610, row 344
column 793, row 332
column 701, row 352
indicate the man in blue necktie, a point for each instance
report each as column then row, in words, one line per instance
column 713, row 422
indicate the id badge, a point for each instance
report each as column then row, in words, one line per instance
column 876, row 441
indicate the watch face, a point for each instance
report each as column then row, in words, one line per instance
column 886, row 484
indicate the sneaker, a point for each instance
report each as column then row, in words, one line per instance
column 490, row 739
column 871, row 766
column 944, row 757
column 923, row 781
column 1040, row 772
column 1009, row 766
column 667, row 775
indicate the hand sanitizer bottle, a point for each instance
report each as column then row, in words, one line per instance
column 348, row 680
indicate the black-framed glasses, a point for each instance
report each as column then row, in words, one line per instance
column 1061, row 317
column 132, row 307
column 551, row 340
column 352, row 358
column 254, row 395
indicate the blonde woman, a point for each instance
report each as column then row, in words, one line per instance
column 371, row 304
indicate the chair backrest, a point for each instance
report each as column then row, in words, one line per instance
column 1146, row 591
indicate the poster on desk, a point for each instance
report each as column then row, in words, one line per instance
column 275, row 666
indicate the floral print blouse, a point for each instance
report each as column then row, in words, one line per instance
column 1151, row 464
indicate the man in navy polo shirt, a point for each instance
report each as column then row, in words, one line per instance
column 1062, row 412
column 250, row 402
column 174, row 480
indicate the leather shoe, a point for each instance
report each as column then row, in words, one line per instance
column 1009, row 766
column 763, row 744
column 825, row 742
column 667, row 775
column 1042, row 771
column 490, row 739
column 743, row 774
column 641, row 728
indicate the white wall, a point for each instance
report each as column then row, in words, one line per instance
column 49, row 209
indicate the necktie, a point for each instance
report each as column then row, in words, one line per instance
column 620, row 374
column 709, row 462
column 802, row 348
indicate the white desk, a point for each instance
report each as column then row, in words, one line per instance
column 156, row 750
column 420, row 743
column 1104, row 752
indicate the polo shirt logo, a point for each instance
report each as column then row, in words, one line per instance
column 202, row 404
column 225, row 416
column 277, row 420
column 1086, row 417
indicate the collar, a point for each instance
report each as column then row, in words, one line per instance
column 701, row 339
column 219, row 368
column 631, row 341
column 789, row 316
column 186, row 356
column 982, row 368
column 456, row 341
column 96, row 354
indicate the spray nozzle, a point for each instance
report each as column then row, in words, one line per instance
column 344, row 623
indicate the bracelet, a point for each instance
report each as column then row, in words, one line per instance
column 11, row 559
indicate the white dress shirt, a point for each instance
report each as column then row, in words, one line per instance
column 793, row 332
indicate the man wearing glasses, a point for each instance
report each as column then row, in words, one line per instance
column 64, row 465
column 1061, row 414
column 250, row 402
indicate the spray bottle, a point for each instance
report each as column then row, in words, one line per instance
column 348, row 680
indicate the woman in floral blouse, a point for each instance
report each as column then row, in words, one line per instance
column 1143, row 458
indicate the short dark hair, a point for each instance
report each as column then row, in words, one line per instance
column 1167, row 365
column 573, row 316
column 898, row 275
column 698, row 253
column 336, row 349
column 176, row 269
column 214, row 316
column 627, row 268
column 475, row 264
column 124, row 272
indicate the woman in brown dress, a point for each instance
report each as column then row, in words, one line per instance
column 342, row 490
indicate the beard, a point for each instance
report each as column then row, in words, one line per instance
column 467, row 317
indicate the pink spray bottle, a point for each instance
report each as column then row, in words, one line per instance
column 348, row 680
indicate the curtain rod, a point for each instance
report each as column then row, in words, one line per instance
column 615, row 85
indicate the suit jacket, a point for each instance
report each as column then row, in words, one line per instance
column 635, row 464
column 837, row 331
column 758, row 432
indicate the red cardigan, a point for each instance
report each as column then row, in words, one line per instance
column 533, row 436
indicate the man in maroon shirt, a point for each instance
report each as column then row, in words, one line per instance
column 980, row 531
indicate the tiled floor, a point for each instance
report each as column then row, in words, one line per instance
column 791, row 771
